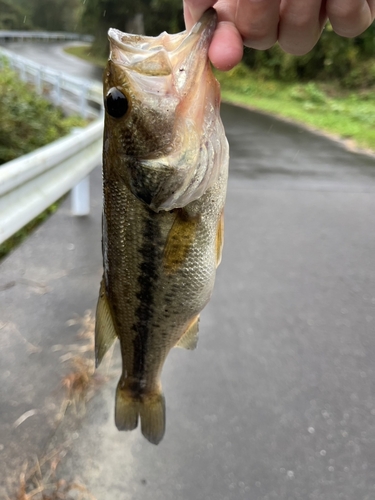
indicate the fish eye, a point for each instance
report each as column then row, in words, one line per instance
column 116, row 103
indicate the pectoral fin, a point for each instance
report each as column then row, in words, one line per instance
column 180, row 239
column 105, row 332
column 189, row 339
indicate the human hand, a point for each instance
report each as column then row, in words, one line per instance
column 259, row 24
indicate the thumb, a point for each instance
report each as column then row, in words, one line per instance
column 193, row 10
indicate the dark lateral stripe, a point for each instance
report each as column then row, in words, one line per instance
column 147, row 280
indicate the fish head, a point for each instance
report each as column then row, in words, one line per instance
column 162, row 120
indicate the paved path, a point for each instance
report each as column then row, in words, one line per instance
column 52, row 56
column 278, row 401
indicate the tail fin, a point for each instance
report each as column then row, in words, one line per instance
column 149, row 407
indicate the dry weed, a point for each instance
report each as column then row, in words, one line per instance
column 40, row 483
column 82, row 380
column 59, row 490
column 79, row 383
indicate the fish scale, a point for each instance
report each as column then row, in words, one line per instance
column 164, row 194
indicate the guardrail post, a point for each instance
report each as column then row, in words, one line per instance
column 80, row 197
column 23, row 72
column 83, row 105
column 57, row 98
column 38, row 81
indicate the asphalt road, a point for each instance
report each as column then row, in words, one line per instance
column 51, row 55
column 277, row 401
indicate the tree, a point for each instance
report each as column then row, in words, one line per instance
column 158, row 16
column 13, row 17
column 164, row 15
column 333, row 57
column 52, row 15
column 100, row 15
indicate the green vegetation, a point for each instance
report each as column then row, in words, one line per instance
column 27, row 121
column 13, row 17
column 144, row 16
column 322, row 105
column 348, row 61
column 85, row 52
column 330, row 88
column 52, row 15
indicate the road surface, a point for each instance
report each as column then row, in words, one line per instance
column 277, row 402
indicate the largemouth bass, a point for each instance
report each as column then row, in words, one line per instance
column 165, row 164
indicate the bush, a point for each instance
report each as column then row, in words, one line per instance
column 27, row 121
column 349, row 61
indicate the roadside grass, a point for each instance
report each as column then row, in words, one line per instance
column 324, row 106
column 84, row 52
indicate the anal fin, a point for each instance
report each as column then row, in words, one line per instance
column 220, row 239
column 105, row 332
column 189, row 339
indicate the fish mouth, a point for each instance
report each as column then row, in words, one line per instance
column 162, row 55
column 169, row 77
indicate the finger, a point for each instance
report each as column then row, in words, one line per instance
column 301, row 24
column 257, row 21
column 193, row 10
column 226, row 48
column 350, row 18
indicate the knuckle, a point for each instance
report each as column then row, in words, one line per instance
column 346, row 31
column 257, row 33
column 259, row 44
column 301, row 21
column 346, row 20
column 295, row 48
column 342, row 11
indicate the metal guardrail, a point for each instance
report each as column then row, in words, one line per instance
column 31, row 183
column 45, row 36
column 61, row 88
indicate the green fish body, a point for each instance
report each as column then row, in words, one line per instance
column 165, row 165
